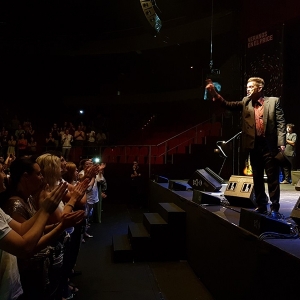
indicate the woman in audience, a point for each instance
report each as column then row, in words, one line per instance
column 32, row 146
column 11, row 150
column 22, row 144
column 24, row 239
column 26, row 185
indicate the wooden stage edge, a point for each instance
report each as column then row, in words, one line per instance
column 232, row 262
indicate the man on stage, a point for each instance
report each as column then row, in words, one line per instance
column 263, row 136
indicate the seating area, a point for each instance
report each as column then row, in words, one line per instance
column 156, row 151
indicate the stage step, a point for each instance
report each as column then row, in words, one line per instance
column 160, row 237
column 171, row 213
column 122, row 251
column 176, row 219
column 140, row 241
column 155, row 225
column 137, row 231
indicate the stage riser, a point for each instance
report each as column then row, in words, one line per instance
column 232, row 262
column 155, row 225
column 155, row 239
column 122, row 250
column 171, row 213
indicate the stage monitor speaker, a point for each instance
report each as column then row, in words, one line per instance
column 240, row 192
column 258, row 223
column 203, row 181
column 177, row 186
column 295, row 177
column 295, row 214
column 200, row 197
column 161, row 179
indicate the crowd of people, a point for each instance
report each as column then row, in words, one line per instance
column 18, row 138
column 46, row 206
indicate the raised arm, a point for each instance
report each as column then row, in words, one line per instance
column 23, row 238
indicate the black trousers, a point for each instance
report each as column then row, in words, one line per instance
column 262, row 159
column 288, row 167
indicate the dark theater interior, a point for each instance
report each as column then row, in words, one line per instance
column 136, row 71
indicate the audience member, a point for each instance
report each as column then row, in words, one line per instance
column 66, row 143
column 11, row 150
column 56, row 134
column 71, row 176
column 136, row 185
column 91, row 142
column 4, row 142
column 50, row 143
column 19, row 131
column 22, row 144
column 101, row 138
column 92, row 193
column 102, row 187
column 79, row 137
column 32, row 146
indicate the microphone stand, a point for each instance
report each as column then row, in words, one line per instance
column 219, row 143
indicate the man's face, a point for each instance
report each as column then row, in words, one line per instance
column 253, row 89
column 289, row 129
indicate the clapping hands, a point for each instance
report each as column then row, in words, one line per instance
column 52, row 200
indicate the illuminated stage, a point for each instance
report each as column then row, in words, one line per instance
column 232, row 262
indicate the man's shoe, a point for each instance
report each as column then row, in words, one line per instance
column 261, row 209
column 276, row 215
column 284, row 182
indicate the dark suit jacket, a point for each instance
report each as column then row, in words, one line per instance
column 274, row 121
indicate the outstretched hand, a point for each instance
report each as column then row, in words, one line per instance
column 211, row 89
column 54, row 197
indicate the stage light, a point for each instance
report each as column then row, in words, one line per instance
column 151, row 15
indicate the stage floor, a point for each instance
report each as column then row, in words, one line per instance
column 288, row 199
column 288, row 196
column 218, row 247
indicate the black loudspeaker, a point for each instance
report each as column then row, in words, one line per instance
column 160, row 179
column 177, row 186
column 200, row 197
column 239, row 191
column 295, row 214
column 203, row 181
column 259, row 223
column 295, row 177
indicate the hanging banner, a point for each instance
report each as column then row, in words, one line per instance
column 264, row 58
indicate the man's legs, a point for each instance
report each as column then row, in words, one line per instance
column 263, row 159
